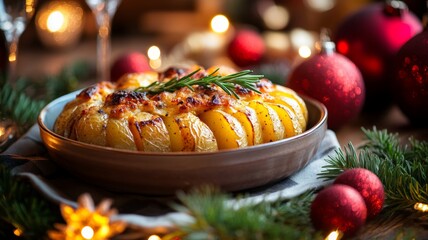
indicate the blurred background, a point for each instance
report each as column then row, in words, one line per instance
column 286, row 25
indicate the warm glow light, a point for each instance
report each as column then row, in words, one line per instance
column 153, row 52
column 55, row 21
column 155, row 63
column 12, row 57
column 154, row 237
column 277, row 41
column 220, row 24
column 421, row 207
column 305, row 51
column 300, row 37
column 321, row 5
column 17, row 232
column 87, row 232
column 334, row 235
column 276, row 17
column 59, row 23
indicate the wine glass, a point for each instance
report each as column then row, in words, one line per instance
column 14, row 15
column 103, row 11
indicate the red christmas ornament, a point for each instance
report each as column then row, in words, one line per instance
column 411, row 80
column 333, row 80
column 338, row 207
column 368, row 185
column 129, row 63
column 246, row 48
column 371, row 38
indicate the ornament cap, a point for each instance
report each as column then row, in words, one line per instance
column 326, row 45
column 394, row 8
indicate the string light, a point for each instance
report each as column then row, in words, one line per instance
column 219, row 24
column 87, row 232
column 334, row 235
column 305, row 51
column 421, row 207
column 154, row 237
column 17, row 232
column 154, row 54
column 55, row 21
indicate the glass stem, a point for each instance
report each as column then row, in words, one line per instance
column 103, row 46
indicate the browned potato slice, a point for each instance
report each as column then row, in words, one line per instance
column 91, row 127
column 64, row 124
column 188, row 133
column 272, row 128
column 288, row 119
column 249, row 121
column 150, row 133
column 227, row 130
column 119, row 135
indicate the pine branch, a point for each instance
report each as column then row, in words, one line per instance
column 227, row 83
column 215, row 219
column 401, row 168
column 23, row 208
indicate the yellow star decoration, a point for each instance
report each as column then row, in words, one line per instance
column 86, row 222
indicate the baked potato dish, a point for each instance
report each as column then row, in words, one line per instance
column 195, row 110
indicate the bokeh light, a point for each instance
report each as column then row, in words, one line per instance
column 275, row 17
column 220, row 24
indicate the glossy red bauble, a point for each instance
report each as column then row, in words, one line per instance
column 368, row 185
column 371, row 37
column 133, row 62
column 333, row 80
column 246, row 48
column 411, row 79
column 338, row 207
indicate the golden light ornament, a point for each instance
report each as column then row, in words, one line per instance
column 422, row 207
column 87, row 222
column 17, row 232
column 60, row 23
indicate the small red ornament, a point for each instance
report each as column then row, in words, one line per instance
column 411, row 80
column 246, row 48
column 338, row 207
column 371, row 37
column 333, row 80
column 368, row 185
column 133, row 62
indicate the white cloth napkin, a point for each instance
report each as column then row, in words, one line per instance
column 28, row 158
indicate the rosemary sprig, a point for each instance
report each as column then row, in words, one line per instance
column 228, row 83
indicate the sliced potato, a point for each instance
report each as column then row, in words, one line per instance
column 227, row 130
column 64, row 124
column 272, row 128
column 91, row 127
column 188, row 133
column 119, row 135
column 293, row 105
column 150, row 133
column 288, row 119
column 287, row 92
column 249, row 121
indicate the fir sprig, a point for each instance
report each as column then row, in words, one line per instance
column 228, row 83
column 216, row 219
column 23, row 208
column 402, row 168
